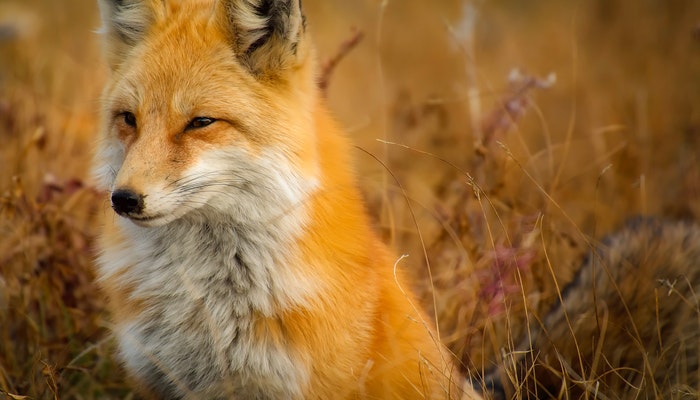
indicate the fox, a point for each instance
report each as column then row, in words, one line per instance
column 241, row 261
column 626, row 327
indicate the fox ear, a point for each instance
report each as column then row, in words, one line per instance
column 266, row 34
column 124, row 22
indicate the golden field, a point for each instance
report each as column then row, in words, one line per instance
column 495, row 142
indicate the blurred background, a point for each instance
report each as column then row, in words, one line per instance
column 496, row 141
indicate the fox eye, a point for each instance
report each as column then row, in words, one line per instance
column 199, row 122
column 129, row 119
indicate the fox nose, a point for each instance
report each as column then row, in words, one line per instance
column 125, row 201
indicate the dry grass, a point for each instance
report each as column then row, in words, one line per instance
column 502, row 183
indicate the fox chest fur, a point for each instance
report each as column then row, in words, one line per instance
column 205, row 285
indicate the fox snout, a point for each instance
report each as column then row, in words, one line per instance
column 127, row 202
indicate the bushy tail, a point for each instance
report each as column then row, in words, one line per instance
column 627, row 325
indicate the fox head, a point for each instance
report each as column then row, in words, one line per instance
column 209, row 105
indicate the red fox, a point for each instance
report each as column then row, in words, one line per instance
column 628, row 325
column 243, row 263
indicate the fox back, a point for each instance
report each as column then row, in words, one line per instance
column 242, row 263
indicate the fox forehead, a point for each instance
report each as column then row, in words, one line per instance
column 184, row 70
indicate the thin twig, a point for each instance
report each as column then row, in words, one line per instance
column 328, row 67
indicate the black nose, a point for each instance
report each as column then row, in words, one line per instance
column 125, row 201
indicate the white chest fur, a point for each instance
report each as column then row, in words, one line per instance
column 202, row 285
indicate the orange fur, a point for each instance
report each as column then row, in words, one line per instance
column 246, row 265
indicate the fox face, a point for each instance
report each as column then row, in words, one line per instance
column 209, row 107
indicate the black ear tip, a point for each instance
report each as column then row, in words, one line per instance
column 265, row 33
